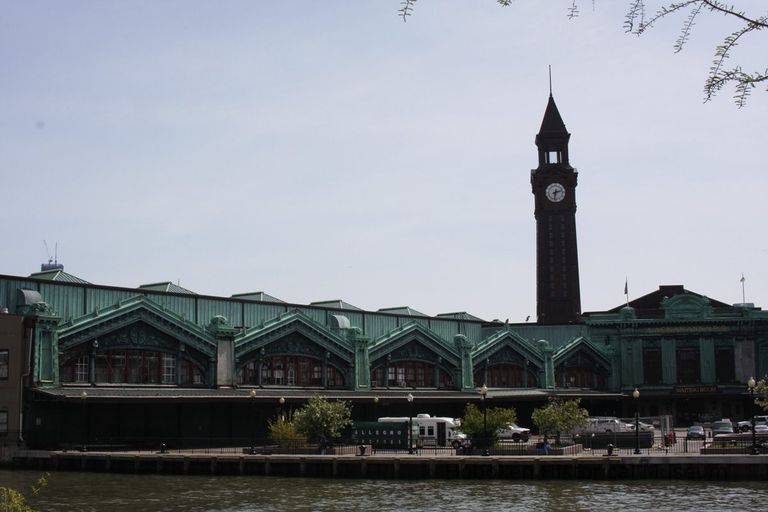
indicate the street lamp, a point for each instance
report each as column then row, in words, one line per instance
column 83, row 396
column 751, row 385
column 375, row 407
column 252, row 394
column 410, row 423
column 483, row 394
column 281, row 401
column 636, row 396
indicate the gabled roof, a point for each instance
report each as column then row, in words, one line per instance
column 654, row 299
column 166, row 286
column 58, row 275
column 577, row 345
column 336, row 303
column 256, row 297
column 403, row 310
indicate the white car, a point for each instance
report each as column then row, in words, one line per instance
column 514, row 432
column 644, row 427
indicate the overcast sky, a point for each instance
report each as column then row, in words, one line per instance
column 323, row 150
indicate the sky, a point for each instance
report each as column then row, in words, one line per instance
column 329, row 150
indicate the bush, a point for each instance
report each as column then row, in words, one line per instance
column 283, row 432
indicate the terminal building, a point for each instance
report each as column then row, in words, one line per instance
column 160, row 362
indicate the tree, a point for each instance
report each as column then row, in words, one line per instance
column 720, row 74
column 496, row 418
column 559, row 416
column 761, row 391
column 12, row 500
column 321, row 420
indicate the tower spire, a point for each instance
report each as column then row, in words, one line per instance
column 550, row 80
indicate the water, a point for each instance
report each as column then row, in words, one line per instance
column 116, row 493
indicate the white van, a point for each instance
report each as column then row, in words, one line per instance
column 433, row 430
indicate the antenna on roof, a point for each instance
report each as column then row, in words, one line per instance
column 550, row 79
column 53, row 263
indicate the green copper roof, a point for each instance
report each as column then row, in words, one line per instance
column 460, row 315
column 166, row 286
column 403, row 310
column 337, row 303
column 58, row 275
column 256, row 297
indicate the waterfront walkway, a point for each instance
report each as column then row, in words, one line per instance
column 584, row 465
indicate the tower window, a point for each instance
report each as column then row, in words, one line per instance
column 553, row 157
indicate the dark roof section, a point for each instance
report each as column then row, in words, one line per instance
column 652, row 301
column 552, row 124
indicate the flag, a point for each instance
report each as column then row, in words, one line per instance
column 742, row 278
column 626, row 288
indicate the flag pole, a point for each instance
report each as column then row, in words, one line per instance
column 626, row 290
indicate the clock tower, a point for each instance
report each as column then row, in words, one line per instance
column 554, row 188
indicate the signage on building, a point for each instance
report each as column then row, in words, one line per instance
column 691, row 390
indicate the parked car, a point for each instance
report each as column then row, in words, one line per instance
column 644, row 427
column 746, row 425
column 514, row 432
column 696, row 432
column 723, row 426
column 761, row 428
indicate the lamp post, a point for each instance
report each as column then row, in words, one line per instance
column 636, row 396
column 410, row 423
column 375, row 407
column 483, row 394
column 252, row 394
column 281, row 401
column 83, row 396
column 751, row 385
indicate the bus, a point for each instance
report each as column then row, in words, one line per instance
column 434, row 430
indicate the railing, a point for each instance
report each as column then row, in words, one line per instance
column 600, row 444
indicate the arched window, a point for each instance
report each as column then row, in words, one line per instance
column 505, row 375
column 299, row 371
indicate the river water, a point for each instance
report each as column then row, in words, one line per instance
column 138, row 493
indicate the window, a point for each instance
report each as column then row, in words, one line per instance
column 553, row 157
column 169, row 369
column 3, row 422
column 652, row 366
column 81, row 369
column 688, row 367
column 46, row 358
column 725, row 366
column 4, row 364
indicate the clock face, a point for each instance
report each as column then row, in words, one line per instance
column 555, row 192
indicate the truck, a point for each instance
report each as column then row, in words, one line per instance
column 434, row 430
column 514, row 432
